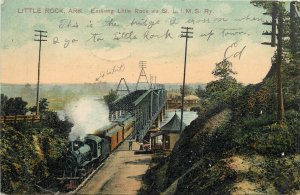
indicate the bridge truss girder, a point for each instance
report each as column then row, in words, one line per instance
column 145, row 105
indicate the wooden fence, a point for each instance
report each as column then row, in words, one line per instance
column 20, row 118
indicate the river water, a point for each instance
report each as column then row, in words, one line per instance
column 188, row 116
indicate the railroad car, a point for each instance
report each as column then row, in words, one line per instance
column 115, row 137
column 83, row 156
column 128, row 127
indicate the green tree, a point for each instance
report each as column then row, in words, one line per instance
column 13, row 106
column 4, row 99
column 223, row 70
column 51, row 119
column 200, row 91
column 112, row 96
column 222, row 90
column 187, row 90
column 43, row 103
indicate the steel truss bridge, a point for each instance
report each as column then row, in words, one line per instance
column 147, row 106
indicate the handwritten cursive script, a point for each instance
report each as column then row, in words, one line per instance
column 111, row 71
column 234, row 51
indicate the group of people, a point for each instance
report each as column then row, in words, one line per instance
column 142, row 145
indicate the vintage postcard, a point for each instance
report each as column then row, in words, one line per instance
column 150, row 97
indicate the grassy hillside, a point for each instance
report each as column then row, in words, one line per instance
column 29, row 153
column 212, row 157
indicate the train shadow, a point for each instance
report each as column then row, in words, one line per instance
column 137, row 177
column 138, row 161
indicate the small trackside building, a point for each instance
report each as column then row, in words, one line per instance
column 170, row 133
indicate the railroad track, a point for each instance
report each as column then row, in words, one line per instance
column 88, row 178
column 82, row 184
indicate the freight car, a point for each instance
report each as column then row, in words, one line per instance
column 84, row 156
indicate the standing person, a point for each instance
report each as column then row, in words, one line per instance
column 130, row 144
column 141, row 146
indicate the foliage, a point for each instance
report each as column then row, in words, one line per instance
column 43, row 105
column 200, row 92
column 220, row 179
column 112, row 96
column 13, row 106
column 223, row 90
column 265, row 4
column 187, row 90
column 29, row 152
column 17, row 152
column 291, row 46
column 284, row 177
column 223, row 70
column 3, row 104
column 254, row 100
column 260, row 135
column 51, row 120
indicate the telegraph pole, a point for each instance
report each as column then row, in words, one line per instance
column 277, row 14
column 293, row 27
column 186, row 34
column 280, row 106
column 39, row 37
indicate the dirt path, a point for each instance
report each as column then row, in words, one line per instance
column 121, row 174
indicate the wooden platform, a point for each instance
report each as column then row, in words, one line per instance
column 121, row 173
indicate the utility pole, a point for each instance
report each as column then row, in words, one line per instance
column 294, row 24
column 39, row 37
column 280, row 106
column 186, row 34
column 277, row 14
column 273, row 24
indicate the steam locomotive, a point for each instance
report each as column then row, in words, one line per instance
column 83, row 156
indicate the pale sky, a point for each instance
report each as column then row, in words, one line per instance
column 233, row 25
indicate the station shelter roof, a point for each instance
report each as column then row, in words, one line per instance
column 173, row 125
